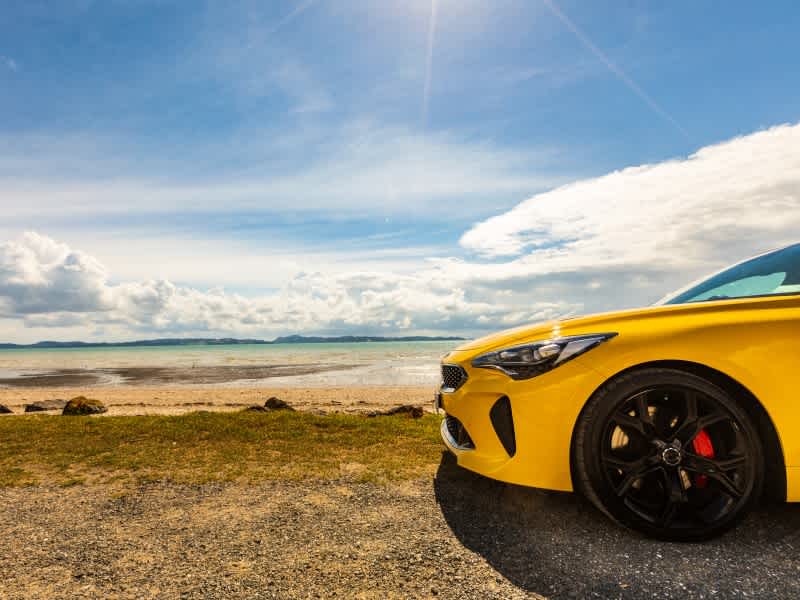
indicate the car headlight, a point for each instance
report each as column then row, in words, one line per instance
column 529, row 360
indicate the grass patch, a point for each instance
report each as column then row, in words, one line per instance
column 204, row 447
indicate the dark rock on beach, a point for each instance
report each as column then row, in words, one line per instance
column 276, row 404
column 4, row 410
column 82, row 405
column 43, row 405
column 415, row 412
column 270, row 405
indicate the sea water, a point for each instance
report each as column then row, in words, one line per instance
column 363, row 363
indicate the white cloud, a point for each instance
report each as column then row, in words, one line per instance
column 645, row 227
column 49, row 285
column 39, row 275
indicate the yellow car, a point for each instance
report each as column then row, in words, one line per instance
column 674, row 419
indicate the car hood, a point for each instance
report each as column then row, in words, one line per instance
column 509, row 336
column 610, row 322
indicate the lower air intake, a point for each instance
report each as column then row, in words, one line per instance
column 458, row 434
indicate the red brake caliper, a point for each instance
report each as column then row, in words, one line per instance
column 703, row 447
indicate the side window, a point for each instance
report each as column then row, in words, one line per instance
column 757, row 285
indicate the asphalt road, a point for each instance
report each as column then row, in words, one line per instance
column 559, row 546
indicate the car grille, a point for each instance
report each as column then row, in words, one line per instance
column 453, row 377
column 458, row 433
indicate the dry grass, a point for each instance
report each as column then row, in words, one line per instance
column 203, row 447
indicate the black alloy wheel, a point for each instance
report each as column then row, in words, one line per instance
column 669, row 454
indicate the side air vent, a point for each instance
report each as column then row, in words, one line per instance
column 503, row 423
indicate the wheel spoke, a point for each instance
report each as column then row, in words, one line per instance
column 619, row 463
column 674, row 497
column 694, row 425
column 630, row 424
column 726, row 464
column 710, row 466
column 691, row 406
column 630, row 478
column 730, row 487
column 687, row 429
column 643, row 410
column 631, row 470
column 716, row 470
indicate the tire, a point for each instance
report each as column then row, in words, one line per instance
column 668, row 454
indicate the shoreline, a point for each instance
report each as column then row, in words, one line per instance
column 173, row 399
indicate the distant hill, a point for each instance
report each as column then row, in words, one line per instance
column 302, row 339
column 289, row 339
column 158, row 342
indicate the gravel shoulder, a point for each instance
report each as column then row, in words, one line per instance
column 456, row 536
column 274, row 540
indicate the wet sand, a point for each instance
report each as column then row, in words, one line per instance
column 167, row 399
column 141, row 376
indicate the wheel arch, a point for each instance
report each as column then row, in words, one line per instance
column 775, row 472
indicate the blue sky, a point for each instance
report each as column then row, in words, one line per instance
column 244, row 145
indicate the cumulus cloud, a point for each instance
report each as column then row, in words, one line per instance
column 748, row 187
column 49, row 285
column 40, row 275
column 638, row 230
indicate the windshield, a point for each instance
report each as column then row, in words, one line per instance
column 769, row 274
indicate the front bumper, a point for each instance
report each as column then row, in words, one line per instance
column 521, row 431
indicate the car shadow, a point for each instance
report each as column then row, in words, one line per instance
column 558, row 545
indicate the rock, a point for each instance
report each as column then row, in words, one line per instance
column 81, row 405
column 415, row 412
column 276, row 404
column 270, row 405
column 42, row 405
column 4, row 410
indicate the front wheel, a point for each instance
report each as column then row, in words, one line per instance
column 669, row 454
